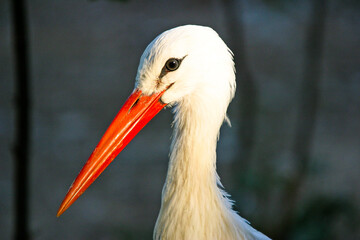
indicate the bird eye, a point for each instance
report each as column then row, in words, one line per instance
column 172, row 64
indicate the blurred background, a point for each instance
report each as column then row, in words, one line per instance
column 290, row 159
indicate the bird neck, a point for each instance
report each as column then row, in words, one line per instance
column 193, row 207
column 193, row 151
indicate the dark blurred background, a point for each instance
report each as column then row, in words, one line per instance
column 290, row 160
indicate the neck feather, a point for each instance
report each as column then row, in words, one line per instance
column 193, row 207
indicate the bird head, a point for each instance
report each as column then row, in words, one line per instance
column 186, row 60
column 187, row 64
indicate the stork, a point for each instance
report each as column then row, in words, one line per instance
column 191, row 68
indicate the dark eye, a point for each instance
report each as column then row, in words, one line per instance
column 172, row 64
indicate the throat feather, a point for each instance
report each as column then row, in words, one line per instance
column 193, row 207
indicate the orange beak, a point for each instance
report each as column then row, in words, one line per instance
column 137, row 111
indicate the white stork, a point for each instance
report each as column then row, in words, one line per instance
column 191, row 68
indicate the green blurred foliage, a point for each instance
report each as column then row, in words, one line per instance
column 131, row 234
column 317, row 218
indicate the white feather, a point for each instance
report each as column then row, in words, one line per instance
column 193, row 206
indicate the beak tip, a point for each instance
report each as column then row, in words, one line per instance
column 60, row 211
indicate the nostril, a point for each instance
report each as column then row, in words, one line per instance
column 134, row 104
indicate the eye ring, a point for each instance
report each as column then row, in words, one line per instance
column 172, row 64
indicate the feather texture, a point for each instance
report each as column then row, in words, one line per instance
column 193, row 206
